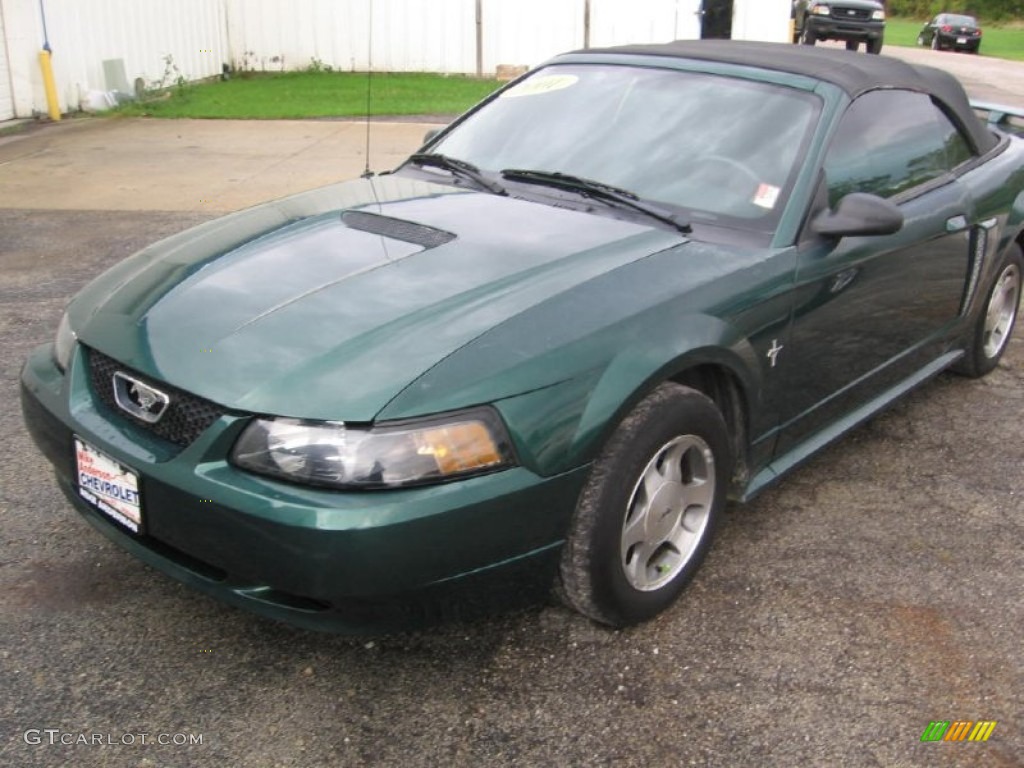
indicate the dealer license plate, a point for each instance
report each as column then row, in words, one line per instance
column 111, row 488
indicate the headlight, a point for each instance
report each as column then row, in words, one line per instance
column 878, row 15
column 821, row 10
column 337, row 455
column 64, row 343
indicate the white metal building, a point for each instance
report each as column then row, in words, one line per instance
column 6, row 94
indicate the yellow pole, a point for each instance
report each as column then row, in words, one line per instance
column 49, row 85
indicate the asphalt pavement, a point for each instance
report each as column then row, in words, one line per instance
column 873, row 591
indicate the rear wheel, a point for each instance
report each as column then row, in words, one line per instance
column 920, row 40
column 646, row 517
column 935, row 42
column 994, row 326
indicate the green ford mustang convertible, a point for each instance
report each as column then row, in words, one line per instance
column 546, row 349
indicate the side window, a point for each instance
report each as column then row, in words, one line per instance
column 891, row 141
column 957, row 149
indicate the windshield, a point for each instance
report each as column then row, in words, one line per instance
column 721, row 149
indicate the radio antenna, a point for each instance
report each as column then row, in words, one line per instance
column 367, row 173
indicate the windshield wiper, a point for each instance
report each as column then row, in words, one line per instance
column 597, row 190
column 458, row 168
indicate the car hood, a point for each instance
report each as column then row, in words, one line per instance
column 328, row 304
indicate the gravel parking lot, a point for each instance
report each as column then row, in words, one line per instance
column 874, row 590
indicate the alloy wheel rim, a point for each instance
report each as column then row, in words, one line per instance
column 668, row 512
column 1001, row 311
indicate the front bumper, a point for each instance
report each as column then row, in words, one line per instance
column 342, row 561
column 825, row 28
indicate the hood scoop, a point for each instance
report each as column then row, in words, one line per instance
column 396, row 229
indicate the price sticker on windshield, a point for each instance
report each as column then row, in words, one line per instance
column 538, row 85
column 766, row 196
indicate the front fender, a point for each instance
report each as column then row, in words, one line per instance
column 564, row 425
column 564, row 373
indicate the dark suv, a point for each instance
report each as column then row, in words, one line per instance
column 853, row 21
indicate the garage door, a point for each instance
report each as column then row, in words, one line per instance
column 6, row 100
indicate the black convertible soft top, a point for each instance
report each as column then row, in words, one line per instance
column 855, row 73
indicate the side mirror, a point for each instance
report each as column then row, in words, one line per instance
column 859, row 214
column 430, row 135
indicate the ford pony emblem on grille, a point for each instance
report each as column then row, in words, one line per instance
column 139, row 399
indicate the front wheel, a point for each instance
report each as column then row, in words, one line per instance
column 806, row 36
column 875, row 46
column 991, row 333
column 853, row 45
column 647, row 515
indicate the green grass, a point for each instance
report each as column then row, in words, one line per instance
column 10, row 130
column 316, row 94
column 1003, row 42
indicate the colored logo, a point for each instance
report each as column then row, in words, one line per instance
column 958, row 730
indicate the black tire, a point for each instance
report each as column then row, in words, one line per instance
column 920, row 40
column 806, row 36
column 874, row 47
column 853, row 45
column 936, row 45
column 677, row 439
column 996, row 319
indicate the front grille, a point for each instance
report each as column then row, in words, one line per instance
column 186, row 417
column 850, row 14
